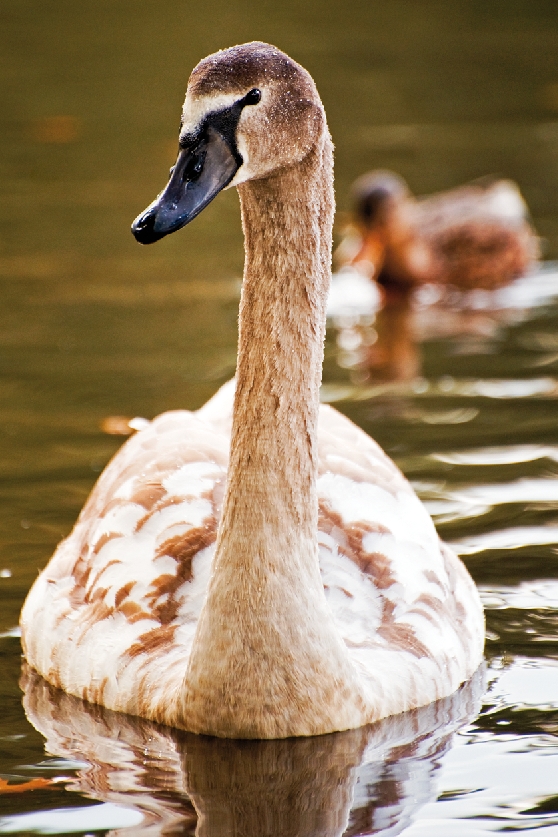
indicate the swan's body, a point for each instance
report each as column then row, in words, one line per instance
column 474, row 236
column 310, row 593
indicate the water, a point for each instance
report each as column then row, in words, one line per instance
column 94, row 326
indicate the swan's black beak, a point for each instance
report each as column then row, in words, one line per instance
column 201, row 170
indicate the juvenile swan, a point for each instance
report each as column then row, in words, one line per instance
column 258, row 569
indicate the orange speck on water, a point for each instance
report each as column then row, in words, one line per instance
column 117, row 426
column 32, row 784
column 56, row 129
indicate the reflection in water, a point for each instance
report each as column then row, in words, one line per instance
column 366, row 781
column 379, row 337
column 394, row 356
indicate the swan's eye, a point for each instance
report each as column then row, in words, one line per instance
column 253, row 97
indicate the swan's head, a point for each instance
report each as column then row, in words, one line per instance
column 249, row 112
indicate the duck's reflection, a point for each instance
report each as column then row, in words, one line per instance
column 395, row 355
column 381, row 340
column 365, row 781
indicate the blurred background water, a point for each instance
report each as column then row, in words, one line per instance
column 92, row 325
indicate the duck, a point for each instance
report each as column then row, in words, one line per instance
column 476, row 236
column 258, row 568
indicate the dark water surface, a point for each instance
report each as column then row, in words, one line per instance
column 92, row 326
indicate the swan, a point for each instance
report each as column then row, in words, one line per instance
column 474, row 236
column 258, row 568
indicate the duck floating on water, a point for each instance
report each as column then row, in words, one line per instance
column 258, row 568
column 475, row 236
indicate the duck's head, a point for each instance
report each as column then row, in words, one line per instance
column 376, row 196
column 379, row 201
column 249, row 111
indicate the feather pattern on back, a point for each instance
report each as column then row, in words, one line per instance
column 399, row 597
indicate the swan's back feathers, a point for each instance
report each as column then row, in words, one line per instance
column 113, row 618
column 130, row 579
column 406, row 607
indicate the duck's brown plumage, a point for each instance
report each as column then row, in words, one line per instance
column 474, row 236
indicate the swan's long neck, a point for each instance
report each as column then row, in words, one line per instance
column 266, row 660
column 272, row 473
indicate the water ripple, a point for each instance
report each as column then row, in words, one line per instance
column 446, row 386
column 529, row 595
column 507, row 539
column 488, row 495
column 72, row 820
column 506, row 455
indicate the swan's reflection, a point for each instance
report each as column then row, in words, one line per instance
column 365, row 781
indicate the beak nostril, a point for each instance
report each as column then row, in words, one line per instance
column 194, row 165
